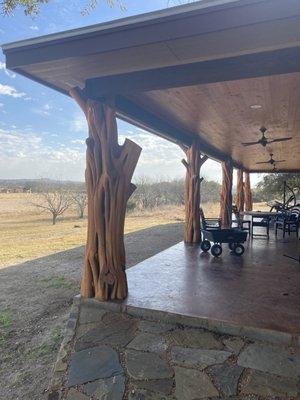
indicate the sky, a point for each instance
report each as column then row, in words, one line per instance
column 42, row 132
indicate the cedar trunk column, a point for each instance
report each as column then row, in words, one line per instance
column 240, row 200
column 193, row 165
column 109, row 169
column 248, row 193
column 226, row 194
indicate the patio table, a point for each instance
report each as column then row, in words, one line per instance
column 260, row 214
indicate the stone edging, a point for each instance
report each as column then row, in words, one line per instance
column 252, row 333
column 60, row 366
column 61, row 386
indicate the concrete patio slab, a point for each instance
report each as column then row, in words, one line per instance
column 256, row 295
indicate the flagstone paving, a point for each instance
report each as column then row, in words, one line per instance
column 113, row 356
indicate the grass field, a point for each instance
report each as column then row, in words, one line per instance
column 26, row 233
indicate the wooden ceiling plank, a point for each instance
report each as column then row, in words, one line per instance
column 221, row 114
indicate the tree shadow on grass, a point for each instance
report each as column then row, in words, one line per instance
column 139, row 245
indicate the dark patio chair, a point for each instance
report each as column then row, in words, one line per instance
column 241, row 223
column 289, row 221
column 209, row 223
column 262, row 223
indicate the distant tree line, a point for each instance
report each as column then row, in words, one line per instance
column 151, row 194
column 56, row 197
column 38, row 185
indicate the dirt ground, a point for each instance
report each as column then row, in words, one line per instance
column 35, row 299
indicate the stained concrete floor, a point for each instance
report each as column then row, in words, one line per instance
column 259, row 290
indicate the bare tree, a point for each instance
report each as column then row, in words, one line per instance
column 56, row 202
column 80, row 201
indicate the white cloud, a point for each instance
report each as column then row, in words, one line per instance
column 6, row 90
column 160, row 159
column 1, row 105
column 47, row 107
column 45, row 110
column 6, row 71
column 78, row 123
column 78, row 141
column 27, row 155
column 34, row 28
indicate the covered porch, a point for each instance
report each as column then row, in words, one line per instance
column 208, row 76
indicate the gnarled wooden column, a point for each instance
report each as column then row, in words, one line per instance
column 109, row 169
column 193, row 165
column 226, row 194
column 240, row 201
column 248, row 193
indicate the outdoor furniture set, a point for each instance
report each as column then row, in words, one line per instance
column 287, row 221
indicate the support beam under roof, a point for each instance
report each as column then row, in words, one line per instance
column 234, row 68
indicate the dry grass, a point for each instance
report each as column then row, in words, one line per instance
column 27, row 234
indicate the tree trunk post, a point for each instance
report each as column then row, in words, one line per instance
column 240, row 200
column 109, row 169
column 248, row 193
column 226, row 194
column 193, row 165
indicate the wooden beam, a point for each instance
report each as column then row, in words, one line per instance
column 234, row 68
column 193, row 163
column 240, row 200
column 109, row 169
column 248, row 193
column 132, row 113
column 226, row 194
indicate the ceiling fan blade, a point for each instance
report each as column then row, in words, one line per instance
column 280, row 140
column 277, row 161
column 263, row 162
column 250, row 143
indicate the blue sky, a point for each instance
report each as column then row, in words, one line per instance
column 42, row 132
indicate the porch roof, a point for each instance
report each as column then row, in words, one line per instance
column 215, row 69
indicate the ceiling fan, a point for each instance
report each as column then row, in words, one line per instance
column 271, row 161
column 264, row 141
